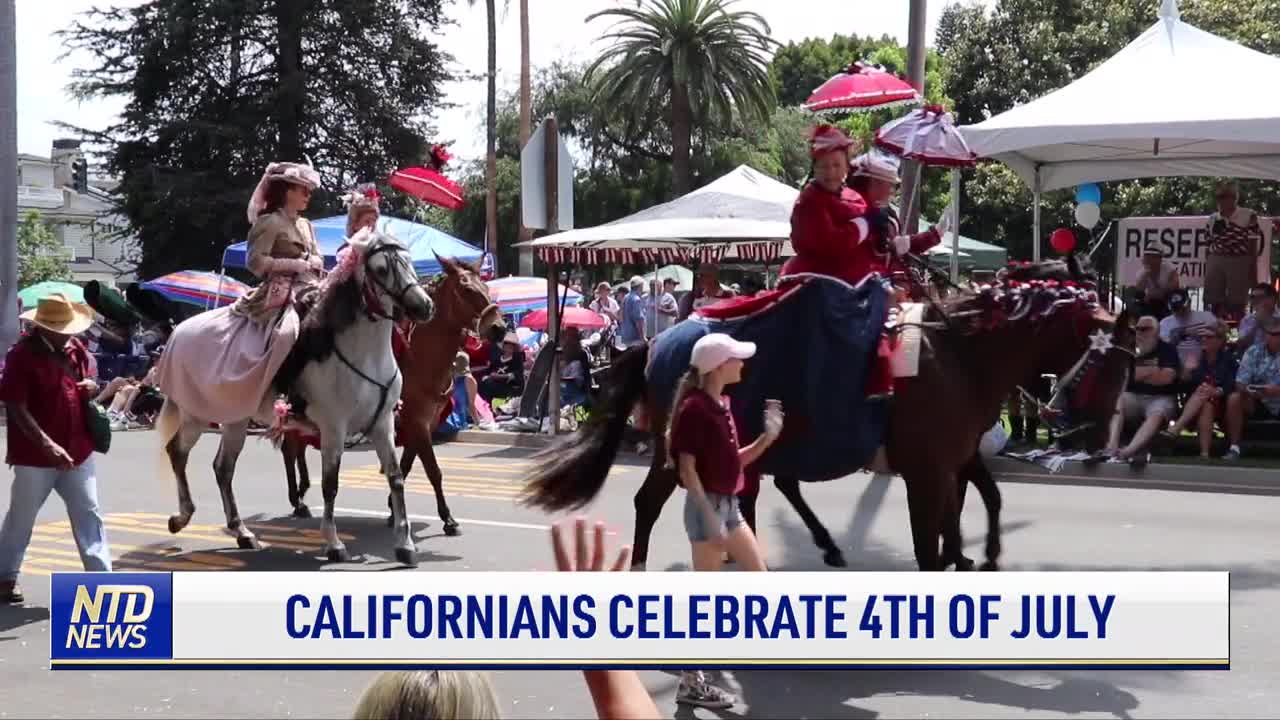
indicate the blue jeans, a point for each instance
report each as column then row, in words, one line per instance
column 727, row 512
column 78, row 488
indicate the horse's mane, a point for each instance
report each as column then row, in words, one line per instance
column 1023, row 292
column 325, row 311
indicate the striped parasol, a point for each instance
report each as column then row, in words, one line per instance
column 197, row 287
column 518, row 295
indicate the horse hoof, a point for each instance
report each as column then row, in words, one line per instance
column 834, row 558
column 248, row 543
column 302, row 511
column 451, row 529
column 406, row 556
column 964, row 564
column 989, row 566
column 176, row 523
column 391, row 521
column 337, row 555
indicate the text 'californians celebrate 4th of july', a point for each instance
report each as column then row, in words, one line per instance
column 530, row 619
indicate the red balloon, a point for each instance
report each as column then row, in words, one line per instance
column 1063, row 241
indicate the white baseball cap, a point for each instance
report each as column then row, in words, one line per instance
column 714, row 350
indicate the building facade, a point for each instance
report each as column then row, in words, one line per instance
column 80, row 213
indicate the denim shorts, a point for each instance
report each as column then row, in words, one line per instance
column 724, row 507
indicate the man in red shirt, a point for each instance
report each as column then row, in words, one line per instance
column 44, row 388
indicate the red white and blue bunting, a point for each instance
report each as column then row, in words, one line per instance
column 676, row 254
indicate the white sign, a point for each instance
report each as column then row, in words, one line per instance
column 686, row 619
column 533, row 182
column 1184, row 242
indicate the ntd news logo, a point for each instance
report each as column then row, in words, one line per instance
column 115, row 617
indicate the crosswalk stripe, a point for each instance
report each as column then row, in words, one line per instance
column 453, row 492
column 449, row 480
column 426, row 487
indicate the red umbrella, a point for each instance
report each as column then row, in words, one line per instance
column 578, row 317
column 927, row 135
column 429, row 184
column 862, row 87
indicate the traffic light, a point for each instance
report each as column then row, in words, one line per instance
column 80, row 175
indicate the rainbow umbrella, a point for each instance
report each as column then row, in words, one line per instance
column 518, row 295
column 197, row 287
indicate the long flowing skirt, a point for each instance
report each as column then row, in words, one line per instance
column 219, row 365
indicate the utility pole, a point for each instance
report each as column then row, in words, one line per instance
column 8, row 175
column 911, row 178
column 526, row 125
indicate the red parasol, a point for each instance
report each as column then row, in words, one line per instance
column 578, row 317
column 859, row 88
column 429, row 184
column 927, row 135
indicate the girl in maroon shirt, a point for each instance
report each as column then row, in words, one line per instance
column 703, row 445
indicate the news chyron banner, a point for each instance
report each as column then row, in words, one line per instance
column 326, row 620
column 1183, row 241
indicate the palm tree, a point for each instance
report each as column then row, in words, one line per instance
column 698, row 57
column 491, row 134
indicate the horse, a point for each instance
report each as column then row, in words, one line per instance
column 342, row 367
column 975, row 348
column 462, row 304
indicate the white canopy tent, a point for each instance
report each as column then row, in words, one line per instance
column 744, row 215
column 1177, row 101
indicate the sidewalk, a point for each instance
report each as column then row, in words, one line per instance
column 1236, row 479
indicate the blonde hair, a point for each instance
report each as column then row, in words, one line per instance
column 691, row 380
column 428, row 695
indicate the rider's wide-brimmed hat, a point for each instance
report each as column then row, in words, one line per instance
column 58, row 314
column 290, row 172
column 878, row 166
column 826, row 138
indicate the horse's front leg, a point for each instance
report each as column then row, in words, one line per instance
column 432, row 466
column 331, row 446
column 224, row 469
column 384, row 444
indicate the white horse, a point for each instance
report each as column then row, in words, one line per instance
column 346, row 373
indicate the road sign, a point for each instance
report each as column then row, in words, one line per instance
column 533, row 181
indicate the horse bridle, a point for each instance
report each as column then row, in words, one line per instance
column 384, row 389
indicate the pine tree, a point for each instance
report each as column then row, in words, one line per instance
column 216, row 89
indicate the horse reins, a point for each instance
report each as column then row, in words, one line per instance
column 373, row 311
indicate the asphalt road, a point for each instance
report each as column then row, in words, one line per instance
column 1047, row 527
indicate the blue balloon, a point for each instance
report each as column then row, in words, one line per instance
column 1090, row 193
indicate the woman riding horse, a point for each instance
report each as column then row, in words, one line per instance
column 224, row 362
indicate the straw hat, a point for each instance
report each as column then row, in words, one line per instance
column 57, row 314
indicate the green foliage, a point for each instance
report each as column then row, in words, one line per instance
column 699, row 60
column 216, row 89
column 40, row 255
column 1025, row 49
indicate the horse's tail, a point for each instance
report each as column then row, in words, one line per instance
column 168, row 422
column 570, row 473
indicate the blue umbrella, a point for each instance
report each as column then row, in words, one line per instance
column 424, row 243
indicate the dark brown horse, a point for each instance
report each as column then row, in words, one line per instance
column 462, row 305
column 976, row 347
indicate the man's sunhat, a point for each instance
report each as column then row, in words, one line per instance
column 56, row 313
column 714, row 350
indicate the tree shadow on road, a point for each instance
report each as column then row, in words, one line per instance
column 13, row 617
column 289, row 544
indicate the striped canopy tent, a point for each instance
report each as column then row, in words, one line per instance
column 197, row 287
column 744, row 215
column 519, row 295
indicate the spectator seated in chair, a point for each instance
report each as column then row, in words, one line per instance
column 1257, row 391
column 1182, row 327
column 1150, row 400
column 1263, row 299
column 505, row 378
column 575, row 369
column 1209, row 379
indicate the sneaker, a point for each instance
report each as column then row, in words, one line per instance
column 695, row 690
column 1232, row 455
column 10, row 593
column 1140, row 460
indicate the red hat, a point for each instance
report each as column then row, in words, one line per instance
column 828, row 138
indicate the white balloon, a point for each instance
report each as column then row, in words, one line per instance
column 1088, row 214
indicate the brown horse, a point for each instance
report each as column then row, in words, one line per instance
column 462, row 305
column 976, row 347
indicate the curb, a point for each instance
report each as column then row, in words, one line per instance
column 531, row 441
